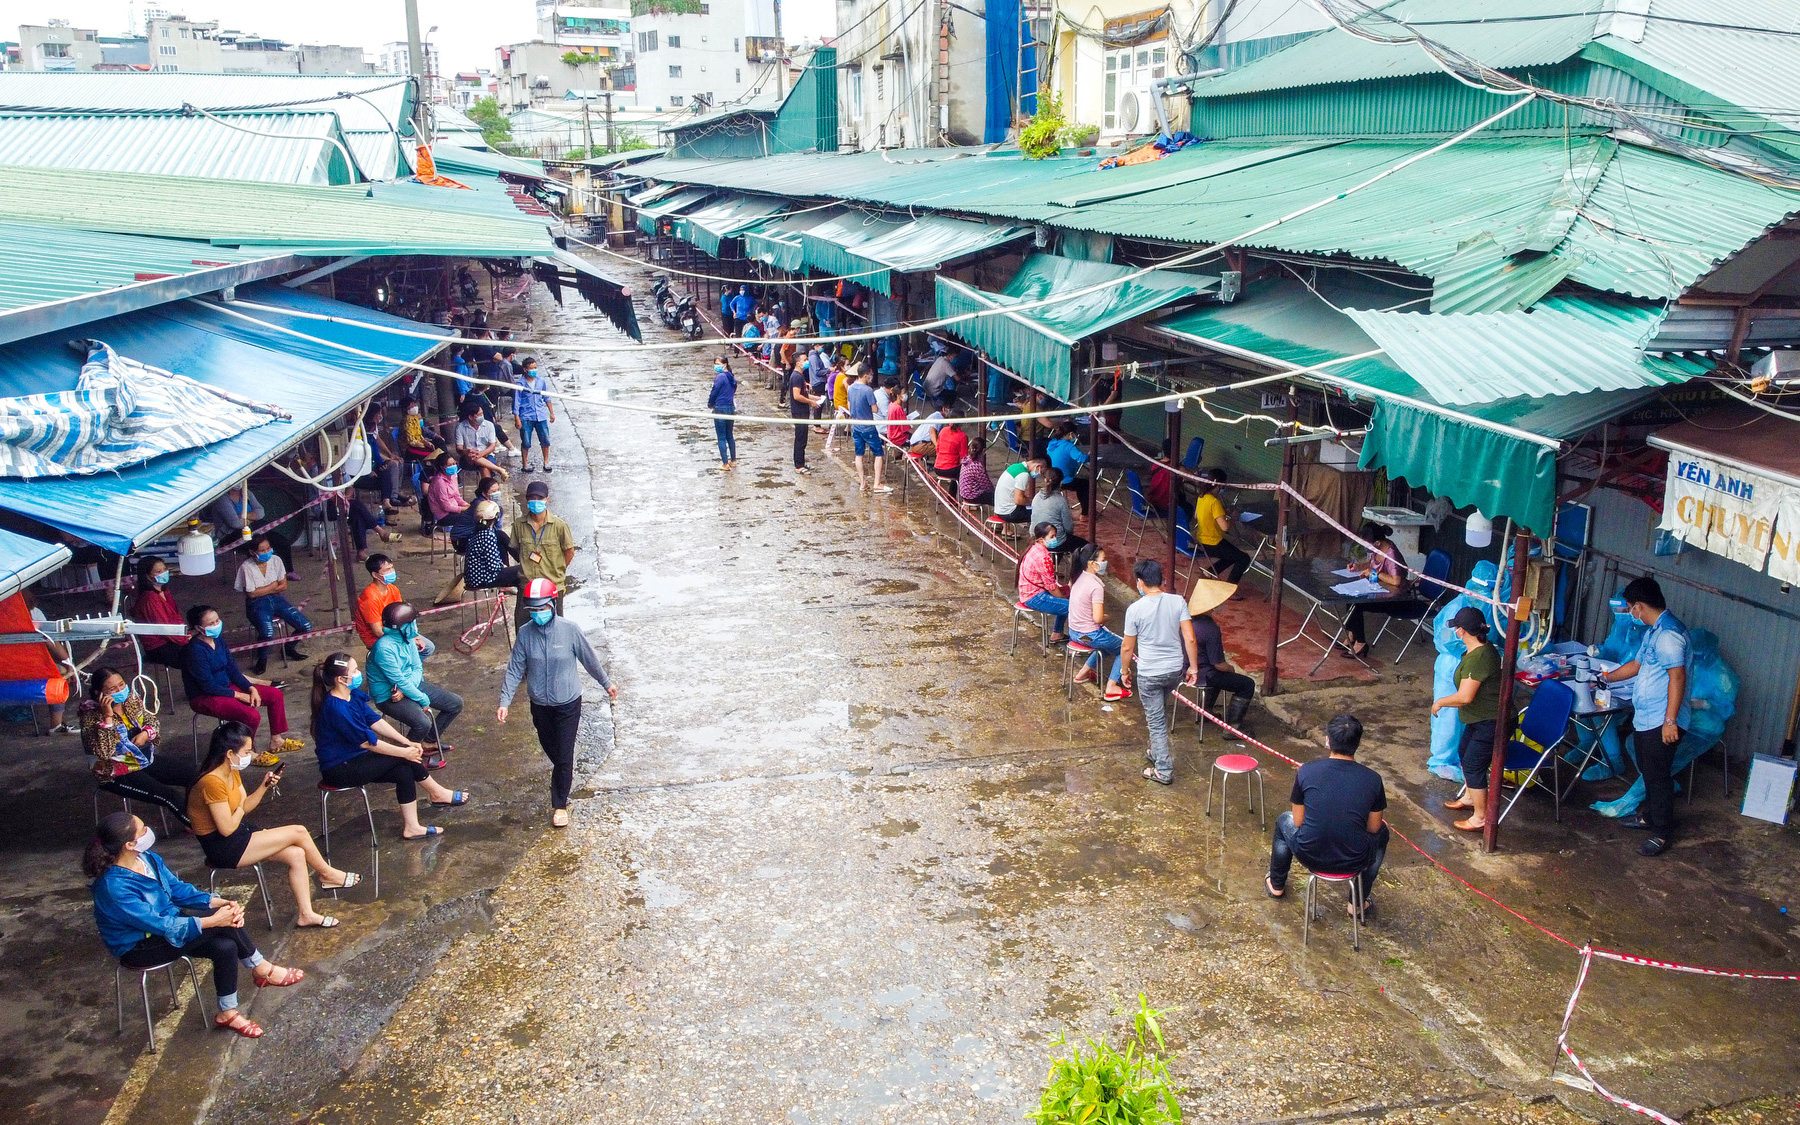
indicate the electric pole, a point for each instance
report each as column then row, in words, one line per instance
column 415, row 59
column 612, row 144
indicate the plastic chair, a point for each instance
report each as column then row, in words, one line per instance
column 167, row 967
column 1188, row 548
column 1140, row 510
column 1545, row 722
column 1313, row 879
column 1437, row 565
column 1191, row 459
column 1075, row 654
column 1010, row 431
column 262, row 885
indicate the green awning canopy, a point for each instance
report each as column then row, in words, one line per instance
column 869, row 248
column 1039, row 343
column 724, row 218
column 776, row 242
column 1498, row 456
column 1566, row 345
column 675, row 204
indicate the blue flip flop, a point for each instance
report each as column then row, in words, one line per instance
column 430, row 831
column 457, row 797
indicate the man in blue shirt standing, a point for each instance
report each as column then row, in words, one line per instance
column 535, row 412
column 862, row 428
column 1659, row 709
column 743, row 307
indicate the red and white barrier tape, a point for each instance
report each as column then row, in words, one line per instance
column 951, row 505
column 1562, row 1044
column 296, row 638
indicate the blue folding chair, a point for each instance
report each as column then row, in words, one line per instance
column 1545, row 722
column 1191, row 459
column 1187, row 547
column 1140, row 511
column 1010, row 431
column 1437, row 565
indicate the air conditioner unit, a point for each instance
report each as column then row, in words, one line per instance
column 849, row 138
column 1133, row 109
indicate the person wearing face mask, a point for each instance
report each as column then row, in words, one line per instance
column 121, row 735
column 216, row 686
column 484, row 557
column 382, row 591
column 263, row 580
column 146, row 916
column 239, row 508
column 1016, row 487
column 543, row 544
column 463, row 525
column 1446, row 725
column 416, row 440
column 397, row 683
column 1160, row 655
column 547, row 658
column 1620, row 645
column 155, row 605
column 357, row 746
column 445, row 493
column 1661, row 713
column 1087, row 619
column 219, row 808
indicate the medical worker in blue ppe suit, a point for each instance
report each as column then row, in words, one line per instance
column 1446, row 728
column 1620, row 647
column 1712, row 697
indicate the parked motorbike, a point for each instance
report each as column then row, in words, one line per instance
column 688, row 317
column 663, row 296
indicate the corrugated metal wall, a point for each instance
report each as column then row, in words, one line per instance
column 1763, row 647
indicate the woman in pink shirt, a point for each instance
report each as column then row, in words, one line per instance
column 444, row 493
column 1038, row 588
column 1383, row 565
column 1087, row 619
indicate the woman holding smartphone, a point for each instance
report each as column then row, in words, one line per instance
column 219, row 808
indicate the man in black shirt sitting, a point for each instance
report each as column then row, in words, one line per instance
column 1336, row 826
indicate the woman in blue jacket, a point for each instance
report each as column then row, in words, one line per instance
column 149, row 917
column 723, row 400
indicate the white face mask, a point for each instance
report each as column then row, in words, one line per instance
column 240, row 761
column 1100, row 567
column 145, row 842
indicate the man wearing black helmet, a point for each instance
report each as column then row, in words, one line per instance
column 396, row 680
column 547, row 658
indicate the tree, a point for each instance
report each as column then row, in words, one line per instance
column 496, row 130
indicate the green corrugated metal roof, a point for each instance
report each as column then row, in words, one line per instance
column 1457, row 457
column 283, row 147
column 675, row 204
column 872, row 247
column 1483, row 278
column 708, row 226
column 1564, row 346
column 1655, row 223
column 452, row 160
column 776, row 242
column 296, row 218
column 40, row 264
column 1551, row 31
column 1039, row 343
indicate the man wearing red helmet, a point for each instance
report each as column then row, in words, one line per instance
column 547, row 658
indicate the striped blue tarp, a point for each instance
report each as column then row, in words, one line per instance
column 121, row 413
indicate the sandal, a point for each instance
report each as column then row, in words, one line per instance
column 430, row 831
column 1368, row 909
column 232, row 1021
column 457, row 797
column 288, row 977
column 1113, row 695
column 559, row 818
column 1274, row 891
column 1150, row 774
column 325, row 922
column 351, row 879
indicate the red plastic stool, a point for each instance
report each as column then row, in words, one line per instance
column 1313, row 879
column 1230, row 765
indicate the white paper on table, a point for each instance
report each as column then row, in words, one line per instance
column 1359, row 589
column 1771, row 787
column 1348, row 573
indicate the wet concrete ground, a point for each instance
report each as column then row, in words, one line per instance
column 847, row 860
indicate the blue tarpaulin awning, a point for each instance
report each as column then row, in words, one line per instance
column 24, row 560
column 313, row 382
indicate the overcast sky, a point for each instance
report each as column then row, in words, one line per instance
column 468, row 30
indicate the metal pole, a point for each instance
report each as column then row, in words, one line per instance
column 1509, row 661
column 1277, row 572
column 981, row 431
column 1096, row 438
column 415, row 59
column 1174, row 427
column 612, row 144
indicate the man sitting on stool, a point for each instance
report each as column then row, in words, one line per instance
column 1216, row 675
column 1336, row 826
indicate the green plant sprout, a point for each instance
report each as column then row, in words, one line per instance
column 1107, row 1087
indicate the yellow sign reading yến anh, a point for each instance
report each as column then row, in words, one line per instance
column 1724, row 510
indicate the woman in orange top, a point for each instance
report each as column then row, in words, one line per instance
column 219, row 808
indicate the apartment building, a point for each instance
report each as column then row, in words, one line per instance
column 910, row 74
column 58, row 46
column 696, row 54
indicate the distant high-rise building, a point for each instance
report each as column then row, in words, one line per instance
column 396, row 58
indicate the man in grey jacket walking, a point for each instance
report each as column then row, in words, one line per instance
column 548, row 658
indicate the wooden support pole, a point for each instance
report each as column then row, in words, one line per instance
column 1509, row 662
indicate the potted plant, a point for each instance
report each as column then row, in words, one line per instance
column 1105, row 1085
